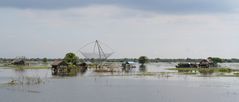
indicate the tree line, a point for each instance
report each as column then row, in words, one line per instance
column 150, row 60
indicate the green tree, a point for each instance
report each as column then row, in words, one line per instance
column 142, row 60
column 71, row 58
column 44, row 60
column 215, row 59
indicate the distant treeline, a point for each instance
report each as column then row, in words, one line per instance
column 232, row 60
column 5, row 60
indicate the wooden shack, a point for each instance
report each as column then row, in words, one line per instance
column 207, row 63
column 18, row 62
column 58, row 67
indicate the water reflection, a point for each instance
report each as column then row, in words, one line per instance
column 128, row 69
column 206, row 72
column 142, row 68
column 83, row 70
column 19, row 69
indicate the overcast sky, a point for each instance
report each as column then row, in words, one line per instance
column 154, row 28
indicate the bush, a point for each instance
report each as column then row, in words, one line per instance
column 142, row 60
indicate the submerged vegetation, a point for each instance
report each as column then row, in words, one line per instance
column 207, row 71
column 156, row 74
column 224, row 70
column 26, row 80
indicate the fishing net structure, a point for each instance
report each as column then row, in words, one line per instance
column 96, row 51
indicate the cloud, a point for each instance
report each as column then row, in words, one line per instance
column 160, row 6
column 130, row 32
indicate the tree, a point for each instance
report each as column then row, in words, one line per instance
column 71, row 58
column 215, row 59
column 142, row 60
column 44, row 60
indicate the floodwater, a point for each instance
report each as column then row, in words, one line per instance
column 93, row 87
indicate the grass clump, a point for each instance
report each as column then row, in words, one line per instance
column 236, row 74
column 206, row 71
column 146, row 74
column 225, row 70
column 202, row 70
column 25, row 80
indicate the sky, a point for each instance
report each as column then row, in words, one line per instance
column 132, row 28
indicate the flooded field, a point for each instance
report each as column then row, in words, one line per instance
column 166, row 86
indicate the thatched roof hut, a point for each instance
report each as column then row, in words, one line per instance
column 206, row 63
column 58, row 63
column 18, row 62
column 58, row 66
